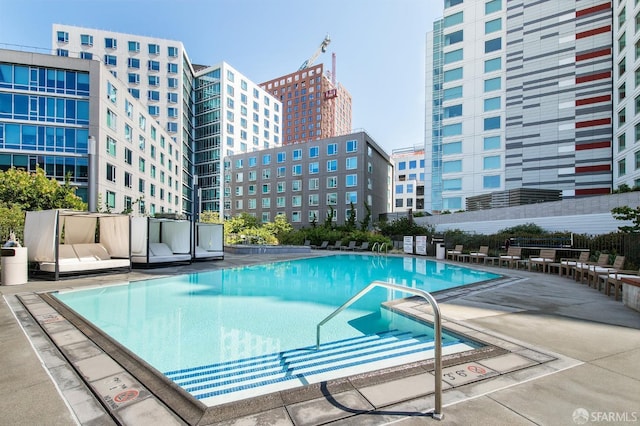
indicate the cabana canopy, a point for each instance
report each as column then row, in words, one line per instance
column 208, row 240
column 160, row 240
column 61, row 241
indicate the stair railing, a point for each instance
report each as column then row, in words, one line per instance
column 437, row 328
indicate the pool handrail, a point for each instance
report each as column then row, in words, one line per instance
column 437, row 328
column 379, row 246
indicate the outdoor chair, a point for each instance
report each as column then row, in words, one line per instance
column 546, row 257
column 580, row 271
column 594, row 271
column 336, row 246
column 351, row 246
column 453, row 254
column 567, row 264
column 614, row 281
column 512, row 256
column 363, row 247
column 322, row 246
column 482, row 252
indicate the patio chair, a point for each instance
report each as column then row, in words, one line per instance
column 363, row 247
column 512, row 256
column 351, row 246
column 546, row 257
column 307, row 243
column 594, row 271
column 567, row 264
column 453, row 254
column 482, row 252
column 336, row 246
column 322, row 246
column 581, row 271
column 614, row 281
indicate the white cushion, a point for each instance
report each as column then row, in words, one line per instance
column 160, row 249
column 91, row 251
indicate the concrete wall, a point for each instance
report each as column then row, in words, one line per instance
column 589, row 215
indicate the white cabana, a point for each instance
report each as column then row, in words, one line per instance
column 160, row 240
column 67, row 241
column 208, row 240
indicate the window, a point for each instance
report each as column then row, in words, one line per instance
column 154, row 110
column 452, row 111
column 110, row 60
column 637, row 161
column 332, row 182
column 112, row 120
column 314, row 199
column 637, row 102
column 493, row 45
column 134, row 46
column 452, row 93
column 622, row 142
column 453, row 38
column 172, row 52
column 266, row 159
column 296, row 185
column 489, row 182
column 400, row 189
column 490, row 163
column 133, row 78
column 622, row 66
column 111, row 146
column 622, row 167
column 622, row 42
column 133, row 63
column 128, row 156
column 452, row 75
column 63, row 37
column 86, row 55
column 492, row 64
column 111, row 200
column 452, row 20
column 128, row 180
column 297, row 154
column 491, row 142
column 622, row 116
column 111, row 173
column 172, row 68
column 266, row 173
column 452, row 184
column 493, row 26
column 492, row 104
column 352, row 146
column 281, row 187
column 62, row 52
column 266, row 188
column 154, row 80
column 451, row 3
column 296, row 170
column 296, row 201
column 314, row 168
column 452, row 166
column 637, row 132
column 352, row 163
column 153, row 65
column 452, row 148
column 452, row 129
column 332, row 165
column 622, row 17
column 492, row 6
column 453, row 56
column 172, row 98
column 314, row 151
column 282, row 157
column 351, row 197
column 110, row 43
column 141, row 164
column 492, row 84
column 172, row 112
column 154, row 49
column 266, row 204
column 491, row 123
column 86, row 40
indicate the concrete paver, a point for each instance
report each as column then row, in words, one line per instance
column 584, row 349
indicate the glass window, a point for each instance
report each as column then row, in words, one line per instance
column 491, row 142
column 453, row 38
column 351, row 180
column 622, row 142
column 492, row 84
column 493, row 45
column 86, row 40
column 352, row 163
column 314, row 151
column 314, row 168
column 172, row 51
column 332, row 149
column 452, row 148
column 110, row 43
column 489, row 163
column 452, row 20
column 399, row 188
column 452, row 129
column 452, row 93
column 491, row 123
column 153, row 65
column 172, row 68
column 492, row 64
column 489, row 182
column 622, row 167
column 452, row 184
column 622, row 41
column 134, row 46
column 492, row 6
column 491, row 104
column 352, row 146
column 63, row 37
column 452, row 75
column 332, row 165
column 332, row 182
column 133, row 63
column 296, row 169
column 622, row 17
column 452, row 111
column 451, row 3
column 493, row 26
column 637, row 160
column 110, row 59
column 453, row 56
column 452, row 166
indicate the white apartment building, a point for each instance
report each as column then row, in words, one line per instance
column 409, row 178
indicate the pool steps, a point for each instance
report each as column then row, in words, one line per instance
column 307, row 365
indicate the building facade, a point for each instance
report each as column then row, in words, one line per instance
column 72, row 117
column 311, row 182
column 314, row 106
column 408, row 179
column 519, row 95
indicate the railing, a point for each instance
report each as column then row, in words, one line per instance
column 437, row 328
column 379, row 246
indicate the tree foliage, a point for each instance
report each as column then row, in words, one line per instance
column 629, row 214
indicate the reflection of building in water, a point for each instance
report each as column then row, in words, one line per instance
column 236, row 343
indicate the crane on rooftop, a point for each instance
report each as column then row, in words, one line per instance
column 321, row 49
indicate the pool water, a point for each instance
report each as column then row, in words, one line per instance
column 204, row 329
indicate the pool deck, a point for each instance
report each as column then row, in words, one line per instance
column 586, row 371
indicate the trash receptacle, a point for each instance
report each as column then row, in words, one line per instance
column 14, row 264
column 440, row 251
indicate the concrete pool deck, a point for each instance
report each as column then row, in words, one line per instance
column 585, row 347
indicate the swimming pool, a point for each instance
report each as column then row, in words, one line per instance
column 230, row 334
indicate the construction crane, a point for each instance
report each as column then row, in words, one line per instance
column 321, row 49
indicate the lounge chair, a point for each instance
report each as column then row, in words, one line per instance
column 322, row 246
column 336, row 246
column 482, row 252
column 594, row 271
column 363, row 247
column 544, row 259
column 581, row 271
column 614, row 280
column 511, row 258
column 453, row 254
column 307, row 243
column 567, row 264
column 351, row 246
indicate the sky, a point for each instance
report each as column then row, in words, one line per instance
column 379, row 44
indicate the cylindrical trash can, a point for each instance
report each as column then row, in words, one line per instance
column 440, row 252
column 14, row 264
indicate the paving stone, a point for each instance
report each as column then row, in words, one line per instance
column 399, row 390
column 148, row 412
column 323, row 410
column 98, row 367
column 275, row 417
column 68, row 337
column 458, row 375
column 119, row 390
column 506, row 363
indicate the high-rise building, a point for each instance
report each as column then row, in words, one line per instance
column 519, row 95
column 73, row 118
column 314, row 105
column 408, row 180
column 311, row 182
column 209, row 111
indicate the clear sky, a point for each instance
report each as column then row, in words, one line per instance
column 379, row 44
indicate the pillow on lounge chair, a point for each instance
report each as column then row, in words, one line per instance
column 91, row 251
column 160, row 249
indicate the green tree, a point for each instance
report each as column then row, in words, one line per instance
column 628, row 214
column 351, row 220
column 279, row 227
column 209, row 216
column 364, row 224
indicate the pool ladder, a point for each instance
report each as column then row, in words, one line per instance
column 379, row 246
column 437, row 328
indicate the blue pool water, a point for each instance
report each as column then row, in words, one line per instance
column 208, row 324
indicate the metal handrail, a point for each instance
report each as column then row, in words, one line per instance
column 437, row 327
column 376, row 244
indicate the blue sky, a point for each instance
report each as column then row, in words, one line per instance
column 379, row 44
